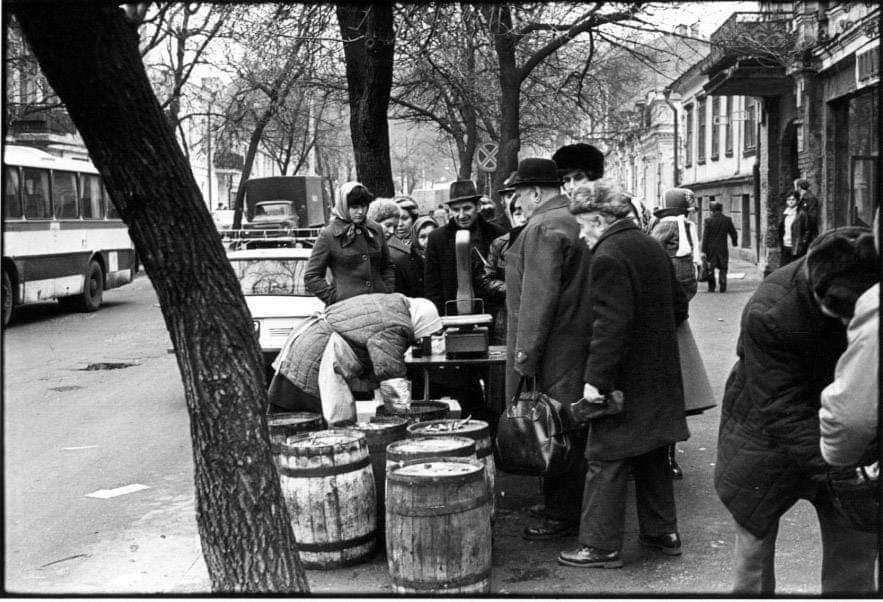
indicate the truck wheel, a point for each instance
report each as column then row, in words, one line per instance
column 8, row 300
column 93, row 289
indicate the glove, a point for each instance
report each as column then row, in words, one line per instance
column 396, row 394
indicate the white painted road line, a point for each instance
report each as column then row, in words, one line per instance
column 80, row 447
column 104, row 494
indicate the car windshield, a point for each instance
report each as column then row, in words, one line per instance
column 272, row 210
column 262, row 276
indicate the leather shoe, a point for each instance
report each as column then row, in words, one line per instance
column 589, row 557
column 669, row 543
column 542, row 512
column 550, row 529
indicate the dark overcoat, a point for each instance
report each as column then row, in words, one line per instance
column 377, row 327
column 361, row 267
column 768, row 452
column 800, row 233
column 714, row 239
column 637, row 303
column 440, row 266
column 547, row 301
column 408, row 267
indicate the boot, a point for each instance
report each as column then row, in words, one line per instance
column 676, row 472
column 723, row 279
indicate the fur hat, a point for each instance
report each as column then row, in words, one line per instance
column 580, row 156
column 842, row 264
column 603, row 196
column 382, row 209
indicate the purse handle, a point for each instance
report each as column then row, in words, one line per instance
column 532, row 385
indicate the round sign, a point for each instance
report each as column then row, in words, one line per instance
column 486, row 155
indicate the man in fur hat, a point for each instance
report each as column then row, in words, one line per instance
column 578, row 164
column 768, row 457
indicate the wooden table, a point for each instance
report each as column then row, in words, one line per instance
column 493, row 367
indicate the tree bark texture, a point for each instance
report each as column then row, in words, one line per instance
column 505, row 41
column 89, row 54
column 368, row 45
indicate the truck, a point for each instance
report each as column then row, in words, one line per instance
column 284, row 203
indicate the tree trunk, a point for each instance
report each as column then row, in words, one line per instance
column 89, row 55
column 368, row 45
column 510, row 94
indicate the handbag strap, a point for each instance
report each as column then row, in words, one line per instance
column 532, row 384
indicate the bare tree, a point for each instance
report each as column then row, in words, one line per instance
column 243, row 523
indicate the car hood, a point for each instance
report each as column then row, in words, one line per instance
column 282, row 306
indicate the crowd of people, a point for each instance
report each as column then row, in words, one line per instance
column 590, row 290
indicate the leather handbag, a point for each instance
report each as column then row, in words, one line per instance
column 532, row 434
column 704, row 272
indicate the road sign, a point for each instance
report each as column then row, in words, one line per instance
column 486, row 156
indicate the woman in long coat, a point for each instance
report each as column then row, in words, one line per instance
column 353, row 248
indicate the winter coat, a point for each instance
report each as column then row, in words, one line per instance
column 377, row 327
column 492, row 284
column 714, row 239
column 768, row 445
column 407, row 266
column 849, row 404
column 799, row 233
column 547, row 301
column 358, row 268
column 440, row 267
column 637, row 304
column 809, row 203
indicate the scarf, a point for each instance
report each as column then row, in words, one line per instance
column 341, row 211
column 424, row 317
column 685, row 248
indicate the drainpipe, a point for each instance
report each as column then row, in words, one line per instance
column 666, row 93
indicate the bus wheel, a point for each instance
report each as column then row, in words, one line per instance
column 93, row 289
column 7, row 299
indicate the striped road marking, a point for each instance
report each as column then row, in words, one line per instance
column 104, row 494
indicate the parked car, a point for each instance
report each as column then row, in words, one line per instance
column 272, row 281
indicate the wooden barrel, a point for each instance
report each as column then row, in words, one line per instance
column 477, row 430
column 283, row 425
column 438, row 528
column 379, row 433
column 415, row 449
column 420, row 411
column 328, row 487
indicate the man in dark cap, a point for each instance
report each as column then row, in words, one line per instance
column 636, row 304
column 547, row 269
column 578, row 164
column 809, row 203
column 714, row 244
column 768, row 457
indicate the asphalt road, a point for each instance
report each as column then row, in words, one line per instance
column 72, row 432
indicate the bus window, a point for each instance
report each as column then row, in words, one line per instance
column 90, row 201
column 35, row 191
column 64, row 194
column 110, row 209
column 11, row 190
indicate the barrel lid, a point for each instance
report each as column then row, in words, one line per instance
column 451, row 426
column 324, row 441
column 439, row 469
column 292, row 418
column 416, row 407
column 429, row 445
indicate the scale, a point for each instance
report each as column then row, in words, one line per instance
column 466, row 331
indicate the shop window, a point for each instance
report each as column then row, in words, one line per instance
column 701, row 128
column 715, row 127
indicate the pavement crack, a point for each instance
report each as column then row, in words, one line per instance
column 65, row 559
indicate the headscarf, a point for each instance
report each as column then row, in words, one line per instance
column 424, row 317
column 415, row 230
column 341, row 211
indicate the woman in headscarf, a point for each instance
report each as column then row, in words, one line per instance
column 353, row 248
column 356, row 340
column 407, row 215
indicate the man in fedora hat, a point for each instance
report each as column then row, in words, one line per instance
column 440, row 277
column 549, row 325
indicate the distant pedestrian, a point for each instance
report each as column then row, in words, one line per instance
column 636, row 304
column 793, row 230
column 441, row 215
column 549, row 325
column 678, row 236
column 353, row 248
column 714, row 245
column 810, row 204
column 768, row 457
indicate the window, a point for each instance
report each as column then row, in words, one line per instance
column 64, row 194
column 750, row 134
column 728, row 129
column 35, row 193
column 688, row 153
column 715, row 127
column 11, row 192
column 701, row 127
column 110, row 209
column 90, row 201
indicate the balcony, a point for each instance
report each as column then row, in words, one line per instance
column 750, row 54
